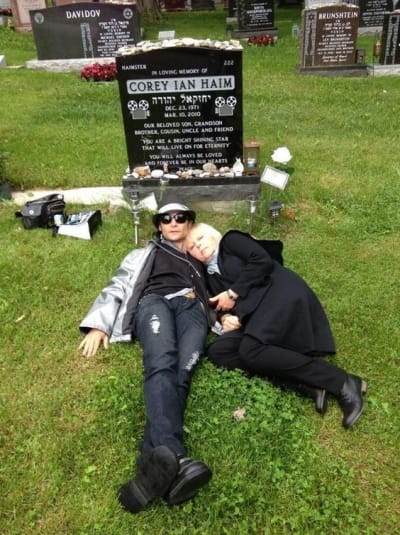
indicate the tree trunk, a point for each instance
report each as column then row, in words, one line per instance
column 150, row 8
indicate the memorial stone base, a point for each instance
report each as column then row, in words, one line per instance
column 201, row 190
column 369, row 30
column 64, row 65
column 345, row 70
column 383, row 70
column 245, row 34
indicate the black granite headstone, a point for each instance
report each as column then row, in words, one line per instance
column 199, row 5
column 232, row 8
column 174, row 5
column 329, row 36
column 182, row 106
column 390, row 52
column 372, row 12
column 255, row 15
column 85, row 30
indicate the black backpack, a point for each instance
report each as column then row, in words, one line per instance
column 41, row 212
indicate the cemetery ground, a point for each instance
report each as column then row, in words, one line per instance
column 70, row 426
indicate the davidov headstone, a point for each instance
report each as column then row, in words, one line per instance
column 182, row 106
column 390, row 52
column 84, row 30
column 255, row 17
column 371, row 15
column 329, row 37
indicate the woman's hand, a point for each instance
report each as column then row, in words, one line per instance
column 230, row 323
column 224, row 301
column 91, row 343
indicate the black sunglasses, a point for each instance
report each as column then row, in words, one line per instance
column 179, row 218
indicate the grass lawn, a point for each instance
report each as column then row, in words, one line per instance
column 70, row 426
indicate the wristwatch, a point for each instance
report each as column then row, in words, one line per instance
column 230, row 294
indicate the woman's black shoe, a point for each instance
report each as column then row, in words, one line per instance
column 351, row 399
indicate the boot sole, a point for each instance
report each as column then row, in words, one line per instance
column 152, row 481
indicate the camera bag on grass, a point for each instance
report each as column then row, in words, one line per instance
column 41, row 212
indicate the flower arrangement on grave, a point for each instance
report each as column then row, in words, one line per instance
column 281, row 155
column 100, row 72
column 262, row 40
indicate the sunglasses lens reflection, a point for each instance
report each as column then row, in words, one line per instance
column 179, row 218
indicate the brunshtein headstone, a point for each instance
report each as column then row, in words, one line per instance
column 84, row 30
column 372, row 13
column 390, row 51
column 182, row 105
column 20, row 11
column 255, row 17
column 329, row 36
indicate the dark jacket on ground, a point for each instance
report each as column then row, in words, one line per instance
column 275, row 305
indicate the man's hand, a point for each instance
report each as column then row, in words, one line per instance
column 90, row 344
column 230, row 323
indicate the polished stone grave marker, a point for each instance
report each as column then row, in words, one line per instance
column 232, row 8
column 20, row 11
column 174, row 5
column 255, row 17
column 371, row 15
column 182, row 113
column 84, row 30
column 182, row 106
column 329, row 36
column 390, row 52
column 201, row 5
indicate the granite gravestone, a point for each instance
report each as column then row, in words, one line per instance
column 329, row 36
column 255, row 17
column 232, row 8
column 182, row 112
column 182, row 106
column 198, row 5
column 21, row 10
column 371, row 15
column 174, row 5
column 84, row 30
column 390, row 52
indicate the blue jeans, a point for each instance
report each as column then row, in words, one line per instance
column 172, row 334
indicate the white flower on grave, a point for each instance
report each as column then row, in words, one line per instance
column 281, row 155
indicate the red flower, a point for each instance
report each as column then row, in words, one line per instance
column 100, row 72
column 262, row 40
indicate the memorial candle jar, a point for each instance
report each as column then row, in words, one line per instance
column 251, row 157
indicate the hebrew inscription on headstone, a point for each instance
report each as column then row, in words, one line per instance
column 329, row 36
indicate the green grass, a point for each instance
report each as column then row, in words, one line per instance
column 70, row 426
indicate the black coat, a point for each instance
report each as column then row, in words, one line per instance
column 275, row 305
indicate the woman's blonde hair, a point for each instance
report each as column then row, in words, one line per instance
column 207, row 229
